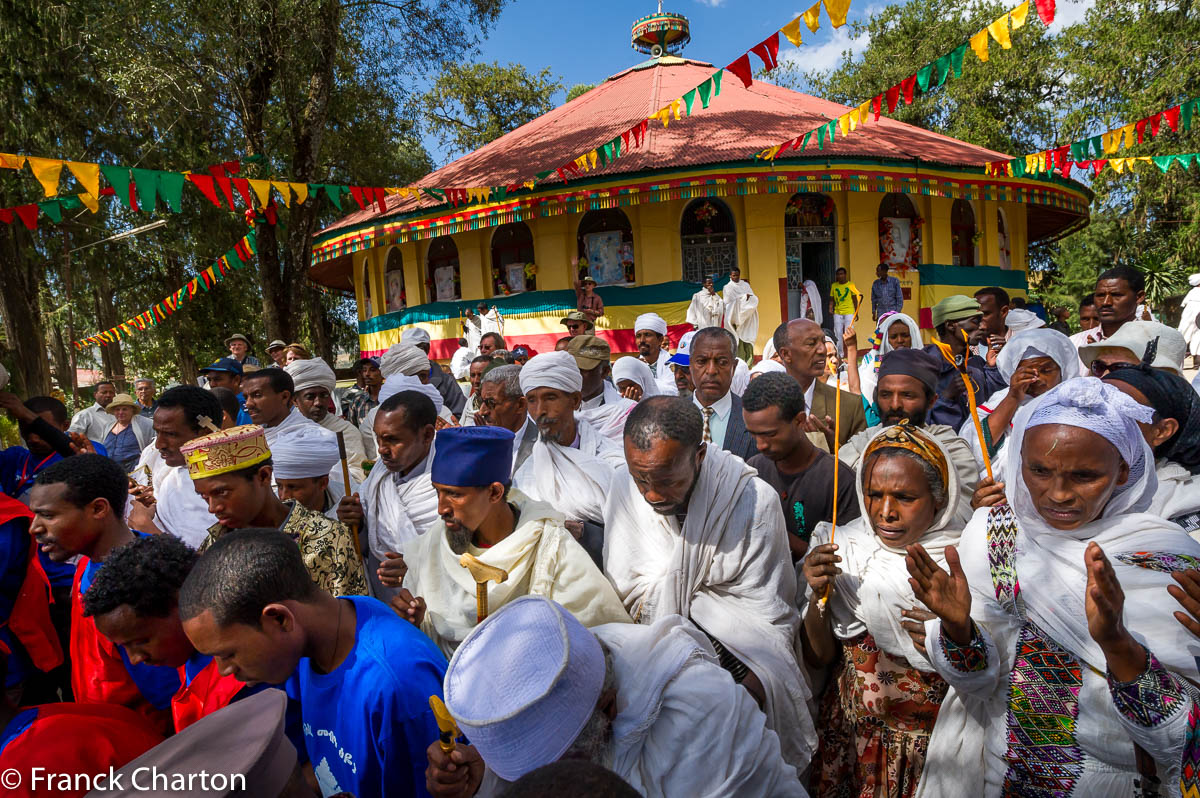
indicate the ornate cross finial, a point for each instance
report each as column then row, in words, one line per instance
column 207, row 423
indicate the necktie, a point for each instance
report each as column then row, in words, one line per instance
column 708, row 414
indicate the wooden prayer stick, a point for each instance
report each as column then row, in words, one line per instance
column 482, row 573
column 944, row 348
column 837, row 428
column 341, row 439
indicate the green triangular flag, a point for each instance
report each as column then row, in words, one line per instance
column 1163, row 162
column 942, row 68
column 542, row 175
column 1079, row 151
column 716, row 79
column 924, row 75
column 118, row 178
column 147, row 185
column 1186, row 160
column 70, row 203
column 616, row 147
column 956, row 59
column 833, row 123
column 821, row 136
column 1017, row 167
column 1185, row 113
column 689, row 100
column 705, row 91
column 170, row 188
column 52, row 209
column 804, row 143
column 1098, row 145
column 335, row 195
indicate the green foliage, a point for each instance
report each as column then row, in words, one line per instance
column 472, row 104
column 578, row 90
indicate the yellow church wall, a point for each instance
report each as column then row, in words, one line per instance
column 765, row 261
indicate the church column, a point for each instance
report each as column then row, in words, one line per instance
column 656, row 242
column 859, row 228
column 553, row 248
column 938, row 242
column 762, row 259
column 474, row 264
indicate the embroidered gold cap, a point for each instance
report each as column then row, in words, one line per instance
column 227, row 450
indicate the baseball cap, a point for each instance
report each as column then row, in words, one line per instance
column 682, row 356
column 589, row 351
column 223, row 364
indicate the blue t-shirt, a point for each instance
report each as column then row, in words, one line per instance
column 368, row 722
column 157, row 683
column 14, row 556
column 243, row 416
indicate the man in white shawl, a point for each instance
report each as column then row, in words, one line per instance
column 502, row 404
column 302, row 463
column 404, row 368
column 649, row 332
column 706, row 308
column 648, row 702
column 692, row 531
column 601, row 404
column 741, row 313
column 524, row 537
column 1055, row 615
column 397, row 503
column 172, row 505
column 1188, row 317
column 314, row 382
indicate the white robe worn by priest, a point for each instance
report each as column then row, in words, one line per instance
column 741, row 311
column 607, row 413
column 728, row 571
column 574, row 481
column 356, row 454
column 705, row 309
column 663, row 374
column 542, row 559
column 398, row 508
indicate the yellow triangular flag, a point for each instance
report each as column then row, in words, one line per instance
column 88, row 175
column 90, row 200
column 770, row 152
column 262, row 188
column 1118, row 164
column 979, row 44
column 1031, row 164
column 581, row 162
column 864, row 112
column 529, row 183
column 1111, row 141
column 1130, row 133
column 844, row 124
column 812, row 17
column 301, row 190
column 282, row 188
column 1019, row 15
column 11, row 161
column 47, row 171
column 1145, row 158
column 1000, row 32
column 837, row 11
column 593, row 157
column 675, row 106
column 792, row 31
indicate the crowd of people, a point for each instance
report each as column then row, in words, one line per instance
column 967, row 567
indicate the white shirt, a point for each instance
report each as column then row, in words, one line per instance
column 720, row 418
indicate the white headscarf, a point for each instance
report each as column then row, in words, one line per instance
column 1194, row 281
column 310, row 451
column 1036, row 342
column 1020, row 320
column 868, row 370
column 403, row 382
column 403, row 359
column 873, row 587
column 635, row 370
column 652, row 322
column 310, row 373
column 556, row 370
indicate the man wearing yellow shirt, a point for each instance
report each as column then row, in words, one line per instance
column 844, row 297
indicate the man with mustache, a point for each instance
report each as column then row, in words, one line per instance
column 507, row 530
column 905, row 393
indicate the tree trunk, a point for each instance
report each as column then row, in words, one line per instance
column 62, row 358
column 106, row 314
column 189, row 371
column 20, row 303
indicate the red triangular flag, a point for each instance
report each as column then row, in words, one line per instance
column 1140, row 127
column 1045, row 9
column 1155, row 121
column 624, row 142
column 877, row 105
column 741, row 68
column 357, row 193
column 906, row 86
column 561, row 174
column 768, row 51
column 133, row 203
column 893, row 97
column 205, row 184
column 1098, row 164
column 243, row 189
column 381, row 199
column 28, row 215
column 226, row 189
column 232, row 167
column 1172, row 117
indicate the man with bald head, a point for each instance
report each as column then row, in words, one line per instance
column 801, row 347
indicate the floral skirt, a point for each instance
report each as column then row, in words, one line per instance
column 874, row 725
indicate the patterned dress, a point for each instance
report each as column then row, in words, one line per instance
column 326, row 546
column 874, row 725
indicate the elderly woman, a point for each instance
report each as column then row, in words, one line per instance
column 293, row 352
column 1069, row 676
column 1174, row 436
column 1032, row 362
column 877, row 716
column 130, row 432
column 894, row 331
column 633, row 378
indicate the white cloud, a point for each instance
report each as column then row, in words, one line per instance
column 711, row 3
column 828, row 54
column 1069, row 12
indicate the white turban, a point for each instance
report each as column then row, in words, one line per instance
column 309, row 451
column 405, row 382
column 403, row 359
column 1019, row 320
column 635, row 370
column 310, row 373
column 1038, row 342
column 652, row 322
column 414, row 336
column 1194, row 281
column 552, row 370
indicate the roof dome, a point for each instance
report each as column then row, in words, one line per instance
column 661, row 34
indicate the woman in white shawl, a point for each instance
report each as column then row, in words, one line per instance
column 894, row 331
column 1031, row 363
column 1069, row 675
column 876, row 717
column 633, row 378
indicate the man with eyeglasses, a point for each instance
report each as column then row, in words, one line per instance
column 502, row 404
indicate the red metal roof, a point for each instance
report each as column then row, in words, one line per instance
column 738, row 123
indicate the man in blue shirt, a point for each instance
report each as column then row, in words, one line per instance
column 227, row 373
column 886, row 294
column 362, row 675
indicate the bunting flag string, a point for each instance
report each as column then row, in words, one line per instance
column 236, row 257
column 1086, row 153
column 766, row 51
column 1120, row 165
column 929, row 77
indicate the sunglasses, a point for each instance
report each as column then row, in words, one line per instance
column 1099, row 368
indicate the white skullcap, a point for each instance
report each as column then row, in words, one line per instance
column 1019, row 320
column 650, row 321
column 635, row 370
column 405, row 382
column 403, row 359
column 523, row 685
column 1038, row 342
column 414, row 336
column 310, row 373
column 309, row 451
column 1194, row 281
column 552, row 370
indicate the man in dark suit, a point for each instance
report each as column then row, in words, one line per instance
column 501, row 404
column 713, row 357
column 801, row 347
